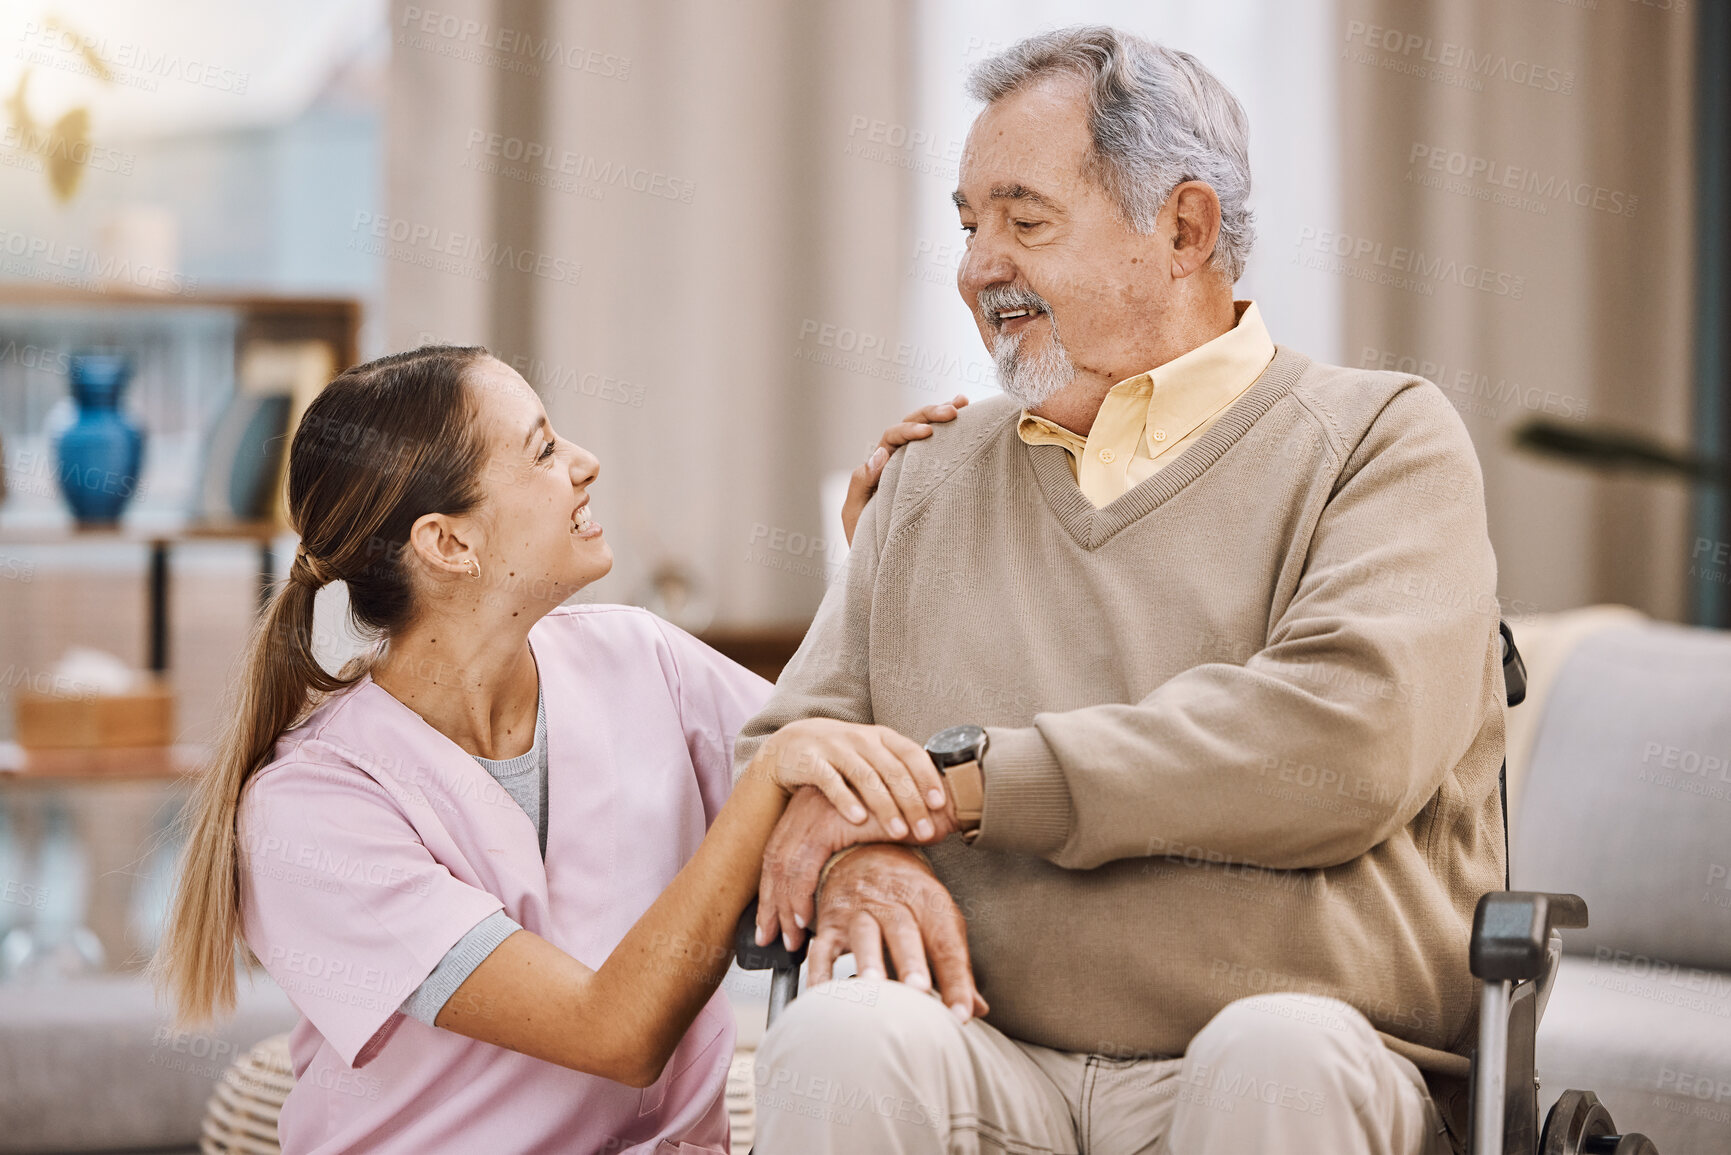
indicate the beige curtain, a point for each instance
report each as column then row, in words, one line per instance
column 1516, row 220
column 641, row 205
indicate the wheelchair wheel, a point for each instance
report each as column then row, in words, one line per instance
column 1579, row 1125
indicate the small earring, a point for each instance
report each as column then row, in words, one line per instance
column 477, row 565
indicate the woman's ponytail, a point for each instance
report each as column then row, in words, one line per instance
column 278, row 680
column 382, row 445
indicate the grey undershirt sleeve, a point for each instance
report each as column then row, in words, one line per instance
column 427, row 1000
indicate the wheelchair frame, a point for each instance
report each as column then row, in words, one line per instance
column 1514, row 952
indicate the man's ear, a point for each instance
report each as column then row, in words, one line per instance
column 443, row 544
column 1195, row 210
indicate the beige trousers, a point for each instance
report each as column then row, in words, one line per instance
column 865, row 1067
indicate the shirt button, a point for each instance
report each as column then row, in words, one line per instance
column 1159, row 435
column 1107, row 455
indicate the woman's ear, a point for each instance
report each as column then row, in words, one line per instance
column 443, row 545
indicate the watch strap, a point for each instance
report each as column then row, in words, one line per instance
column 968, row 792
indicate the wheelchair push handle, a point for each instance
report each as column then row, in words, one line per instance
column 785, row 964
column 752, row 957
column 1514, row 669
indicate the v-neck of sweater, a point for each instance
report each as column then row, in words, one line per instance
column 1092, row 528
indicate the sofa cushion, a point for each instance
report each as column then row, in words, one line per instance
column 93, row 1064
column 1628, row 794
column 1652, row 1041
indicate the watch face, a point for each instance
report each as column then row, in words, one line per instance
column 956, row 745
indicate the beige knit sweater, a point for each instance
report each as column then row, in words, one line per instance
column 1245, row 721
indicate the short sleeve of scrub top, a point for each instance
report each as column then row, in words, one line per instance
column 352, row 912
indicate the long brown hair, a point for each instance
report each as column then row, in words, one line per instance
column 382, row 445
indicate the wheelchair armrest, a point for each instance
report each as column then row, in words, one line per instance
column 1512, row 928
column 752, row 957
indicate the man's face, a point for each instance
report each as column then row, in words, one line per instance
column 1049, row 251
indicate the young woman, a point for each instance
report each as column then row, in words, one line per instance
column 477, row 861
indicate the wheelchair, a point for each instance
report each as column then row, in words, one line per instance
column 1515, row 949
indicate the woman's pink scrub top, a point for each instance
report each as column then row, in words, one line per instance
column 372, row 843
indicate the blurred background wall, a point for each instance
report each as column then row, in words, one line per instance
column 717, row 238
column 1544, row 154
column 1498, row 197
column 740, row 244
column 654, row 206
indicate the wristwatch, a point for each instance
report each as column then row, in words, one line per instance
column 956, row 753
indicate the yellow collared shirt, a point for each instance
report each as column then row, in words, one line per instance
column 1147, row 420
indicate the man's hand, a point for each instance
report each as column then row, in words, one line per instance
column 809, row 832
column 886, row 894
column 864, row 482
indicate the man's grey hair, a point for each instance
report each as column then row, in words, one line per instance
column 1158, row 118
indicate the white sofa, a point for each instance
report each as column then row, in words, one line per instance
column 93, row 1065
column 1620, row 791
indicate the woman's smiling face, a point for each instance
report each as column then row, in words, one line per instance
column 538, row 542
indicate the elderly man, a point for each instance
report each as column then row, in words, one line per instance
column 1202, row 636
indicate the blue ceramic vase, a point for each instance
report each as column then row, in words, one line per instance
column 100, row 453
